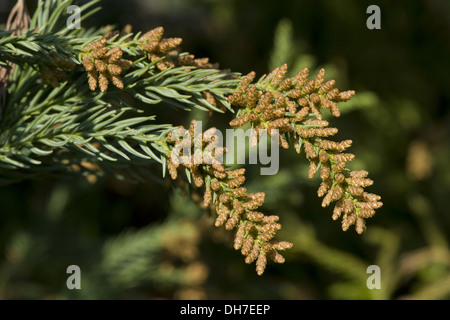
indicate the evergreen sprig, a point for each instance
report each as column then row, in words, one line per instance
column 53, row 122
column 63, row 115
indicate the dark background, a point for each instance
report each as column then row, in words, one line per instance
column 149, row 241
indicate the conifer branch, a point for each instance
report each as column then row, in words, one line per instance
column 79, row 102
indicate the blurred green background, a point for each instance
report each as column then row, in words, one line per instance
column 151, row 241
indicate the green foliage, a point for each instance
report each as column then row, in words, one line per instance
column 117, row 231
column 57, row 129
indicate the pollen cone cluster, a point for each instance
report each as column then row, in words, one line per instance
column 224, row 191
column 294, row 107
column 55, row 72
column 104, row 65
column 163, row 50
